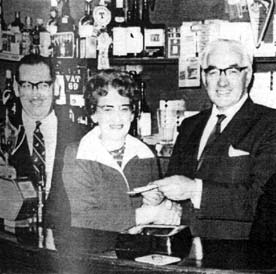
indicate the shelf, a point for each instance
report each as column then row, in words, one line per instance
column 143, row 61
column 267, row 59
column 10, row 56
column 133, row 61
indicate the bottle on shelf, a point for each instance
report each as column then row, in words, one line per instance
column 37, row 38
column 2, row 20
column 134, row 30
column 144, row 119
column 52, row 23
column 66, row 22
column 87, row 33
column 134, row 124
column 66, row 45
column 16, row 26
column 119, row 30
column 154, row 34
column 26, row 36
column 10, row 100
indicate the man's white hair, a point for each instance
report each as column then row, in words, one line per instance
column 235, row 45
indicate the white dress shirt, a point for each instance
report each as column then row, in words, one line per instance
column 230, row 112
column 48, row 128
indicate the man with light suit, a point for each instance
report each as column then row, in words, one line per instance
column 224, row 155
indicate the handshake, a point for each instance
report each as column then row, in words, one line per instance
column 161, row 200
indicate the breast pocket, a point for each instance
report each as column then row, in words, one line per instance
column 234, row 169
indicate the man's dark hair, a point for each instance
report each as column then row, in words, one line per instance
column 35, row 59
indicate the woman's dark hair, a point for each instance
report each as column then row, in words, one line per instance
column 97, row 87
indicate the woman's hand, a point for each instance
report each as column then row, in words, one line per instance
column 166, row 213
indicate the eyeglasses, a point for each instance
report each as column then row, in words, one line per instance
column 109, row 109
column 42, row 85
column 230, row 72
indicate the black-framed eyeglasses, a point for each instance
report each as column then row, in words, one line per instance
column 230, row 72
column 41, row 85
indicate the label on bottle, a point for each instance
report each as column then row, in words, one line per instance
column 45, row 43
column 134, row 40
column 120, row 41
column 88, row 47
column 154, row 37
column 144, row 124
column 86, row 30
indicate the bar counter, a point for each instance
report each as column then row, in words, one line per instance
column 91, row 251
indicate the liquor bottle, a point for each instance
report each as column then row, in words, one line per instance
column 144, row 120
column 134, row 124
column 26, row 36
column 119, row 30
column 134, row 29
column 66, row 22
column 2, row 25
column 16, row 25
column 10, row 100
column 52, row 23
column 2, row 20
column 35, row 34
column 67, row 45
column 87, row 33
column 154, row 34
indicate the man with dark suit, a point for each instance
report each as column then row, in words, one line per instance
column 35, row 80
column 224, row 155
column 264, row 225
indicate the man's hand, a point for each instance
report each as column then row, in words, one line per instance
column 177, row 187
column 167, row 213
column 152, row 197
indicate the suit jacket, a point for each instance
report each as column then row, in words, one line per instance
column 264, row 224
column 56, row 208
column 234, row 171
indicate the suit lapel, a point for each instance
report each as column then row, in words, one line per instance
column 240, row 124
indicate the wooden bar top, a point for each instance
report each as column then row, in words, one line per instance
column 91, row 251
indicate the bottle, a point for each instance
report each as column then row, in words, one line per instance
column 134, row 30
column 35, row 36
column 144, row 120
column 52, row 23
column 11, row 101
column 134, row 124
column 154, row 34
column 67, row 45
column 2, row 25
column 2, row 20
column 17, row 25
column 87, row 33
column 119, row 30
column 26, row 36
column 66, row 22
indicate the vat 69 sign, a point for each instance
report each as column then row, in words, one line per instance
column 74, row 84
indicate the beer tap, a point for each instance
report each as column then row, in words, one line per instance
column 41, row 200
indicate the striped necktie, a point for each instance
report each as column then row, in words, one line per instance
column 211, row 139
column 38, row 156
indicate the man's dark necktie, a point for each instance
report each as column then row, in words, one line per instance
column 38, row 151
column 212, row 137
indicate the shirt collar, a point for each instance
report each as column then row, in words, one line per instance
column 30, row 123
column 231, row 111
column 91, row 148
